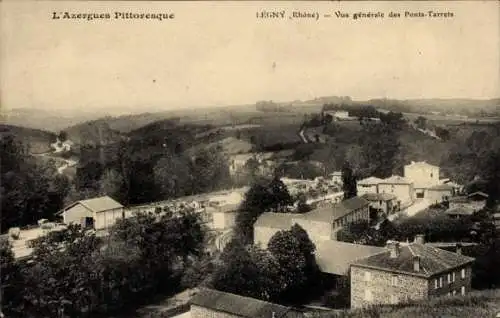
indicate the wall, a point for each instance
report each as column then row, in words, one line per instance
column 262, row 235
column 76, row 213
column 404, row 192
column 422, row 174
column 108, row 218
column 224, row 220
column 202, row 312
column 380, row 286
column 362, row 189
column 450, row 287
column 359, row 214
column 435, row 196
column 317, row 230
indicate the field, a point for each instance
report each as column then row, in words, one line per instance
column 477, row 304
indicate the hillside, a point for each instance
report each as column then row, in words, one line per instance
column 95, row 133
column 37, row 140
column 477, row 304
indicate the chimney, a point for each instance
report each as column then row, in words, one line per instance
column 394, row 248
column 419, row 239
column 416, row 263
column 274, row 315
column 459, row 248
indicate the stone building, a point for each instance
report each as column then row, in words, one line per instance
column 423, row 175
column 380, row 204
column 401, row 187
column 210, row 303
column 368, row 185
column 439, row 193
column 412, row 272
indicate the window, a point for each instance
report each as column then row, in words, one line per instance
column 368, row 295
column 449, row 278
column 436, row 286
column 368, row 276
column 463, row 273
column 394, row 280
column 453, row 277
column 440, row 282
column 454, row 292
column 463, row 290
column 432, row 174
column 394, row 299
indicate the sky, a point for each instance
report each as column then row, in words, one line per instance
column 221, row 54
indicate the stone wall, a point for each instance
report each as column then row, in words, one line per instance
column 380, row 285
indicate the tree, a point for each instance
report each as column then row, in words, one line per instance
column 294, row 253
column 111, row 184
column 62, row 136
column 349, row 182
column 302, row 206
column 263, row 196
column 173, row 176
column 421, row 122
column 12, row 282
column 381, row 147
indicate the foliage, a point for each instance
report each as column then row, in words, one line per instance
column 11, row 290
column 279, row 274
column 263, row 196
column 421, row 122
column 348, row 182
column 30, row 190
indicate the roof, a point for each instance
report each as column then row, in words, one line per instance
column 441, row 187
column 276, row 220
column 334, row 257
column 331, row 212
column 421, row 164
column 432, row 260
column 460, row 211
column 227, row 208
column 478, row 193
column 99, row 204
column 378, row 196
column 240, row 305
column 396, row 180
column 369, row 181
column 336, row 173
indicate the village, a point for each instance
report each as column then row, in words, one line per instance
column 392, row 274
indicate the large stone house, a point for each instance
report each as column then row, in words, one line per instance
column 439, row 193
column 99, row 213
column 401, row 187
column 210, row 303
column 381, row 204
column 321, row 223
column 423, row 175
column 368, row 185
column 412, row 272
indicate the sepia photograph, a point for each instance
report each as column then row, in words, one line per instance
column 249, row 159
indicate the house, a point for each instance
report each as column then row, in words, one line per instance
column 216, row 304
column 324, row 222
column 270, row 223
column 383, row 203
column 368, row 185
column 478, row 196
column 341, row 115
column 439, row 193
column 423, row 175
column 224, row 217
column 476, row 201
column 99, row 213
column 401, row 187
column 459, row 212
column 336, row 177
column 412, row 272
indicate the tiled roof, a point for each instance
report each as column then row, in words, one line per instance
column 331, row 212
column 369, row 181
column 432, row 260
column 334, row 257
column 421, row 163
column 277, row 220
column 396, row 180
column 460, row 211
column 478, row 193
column 378, row 196
column 99, row 204
column 241, row 306
column 442, row 187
